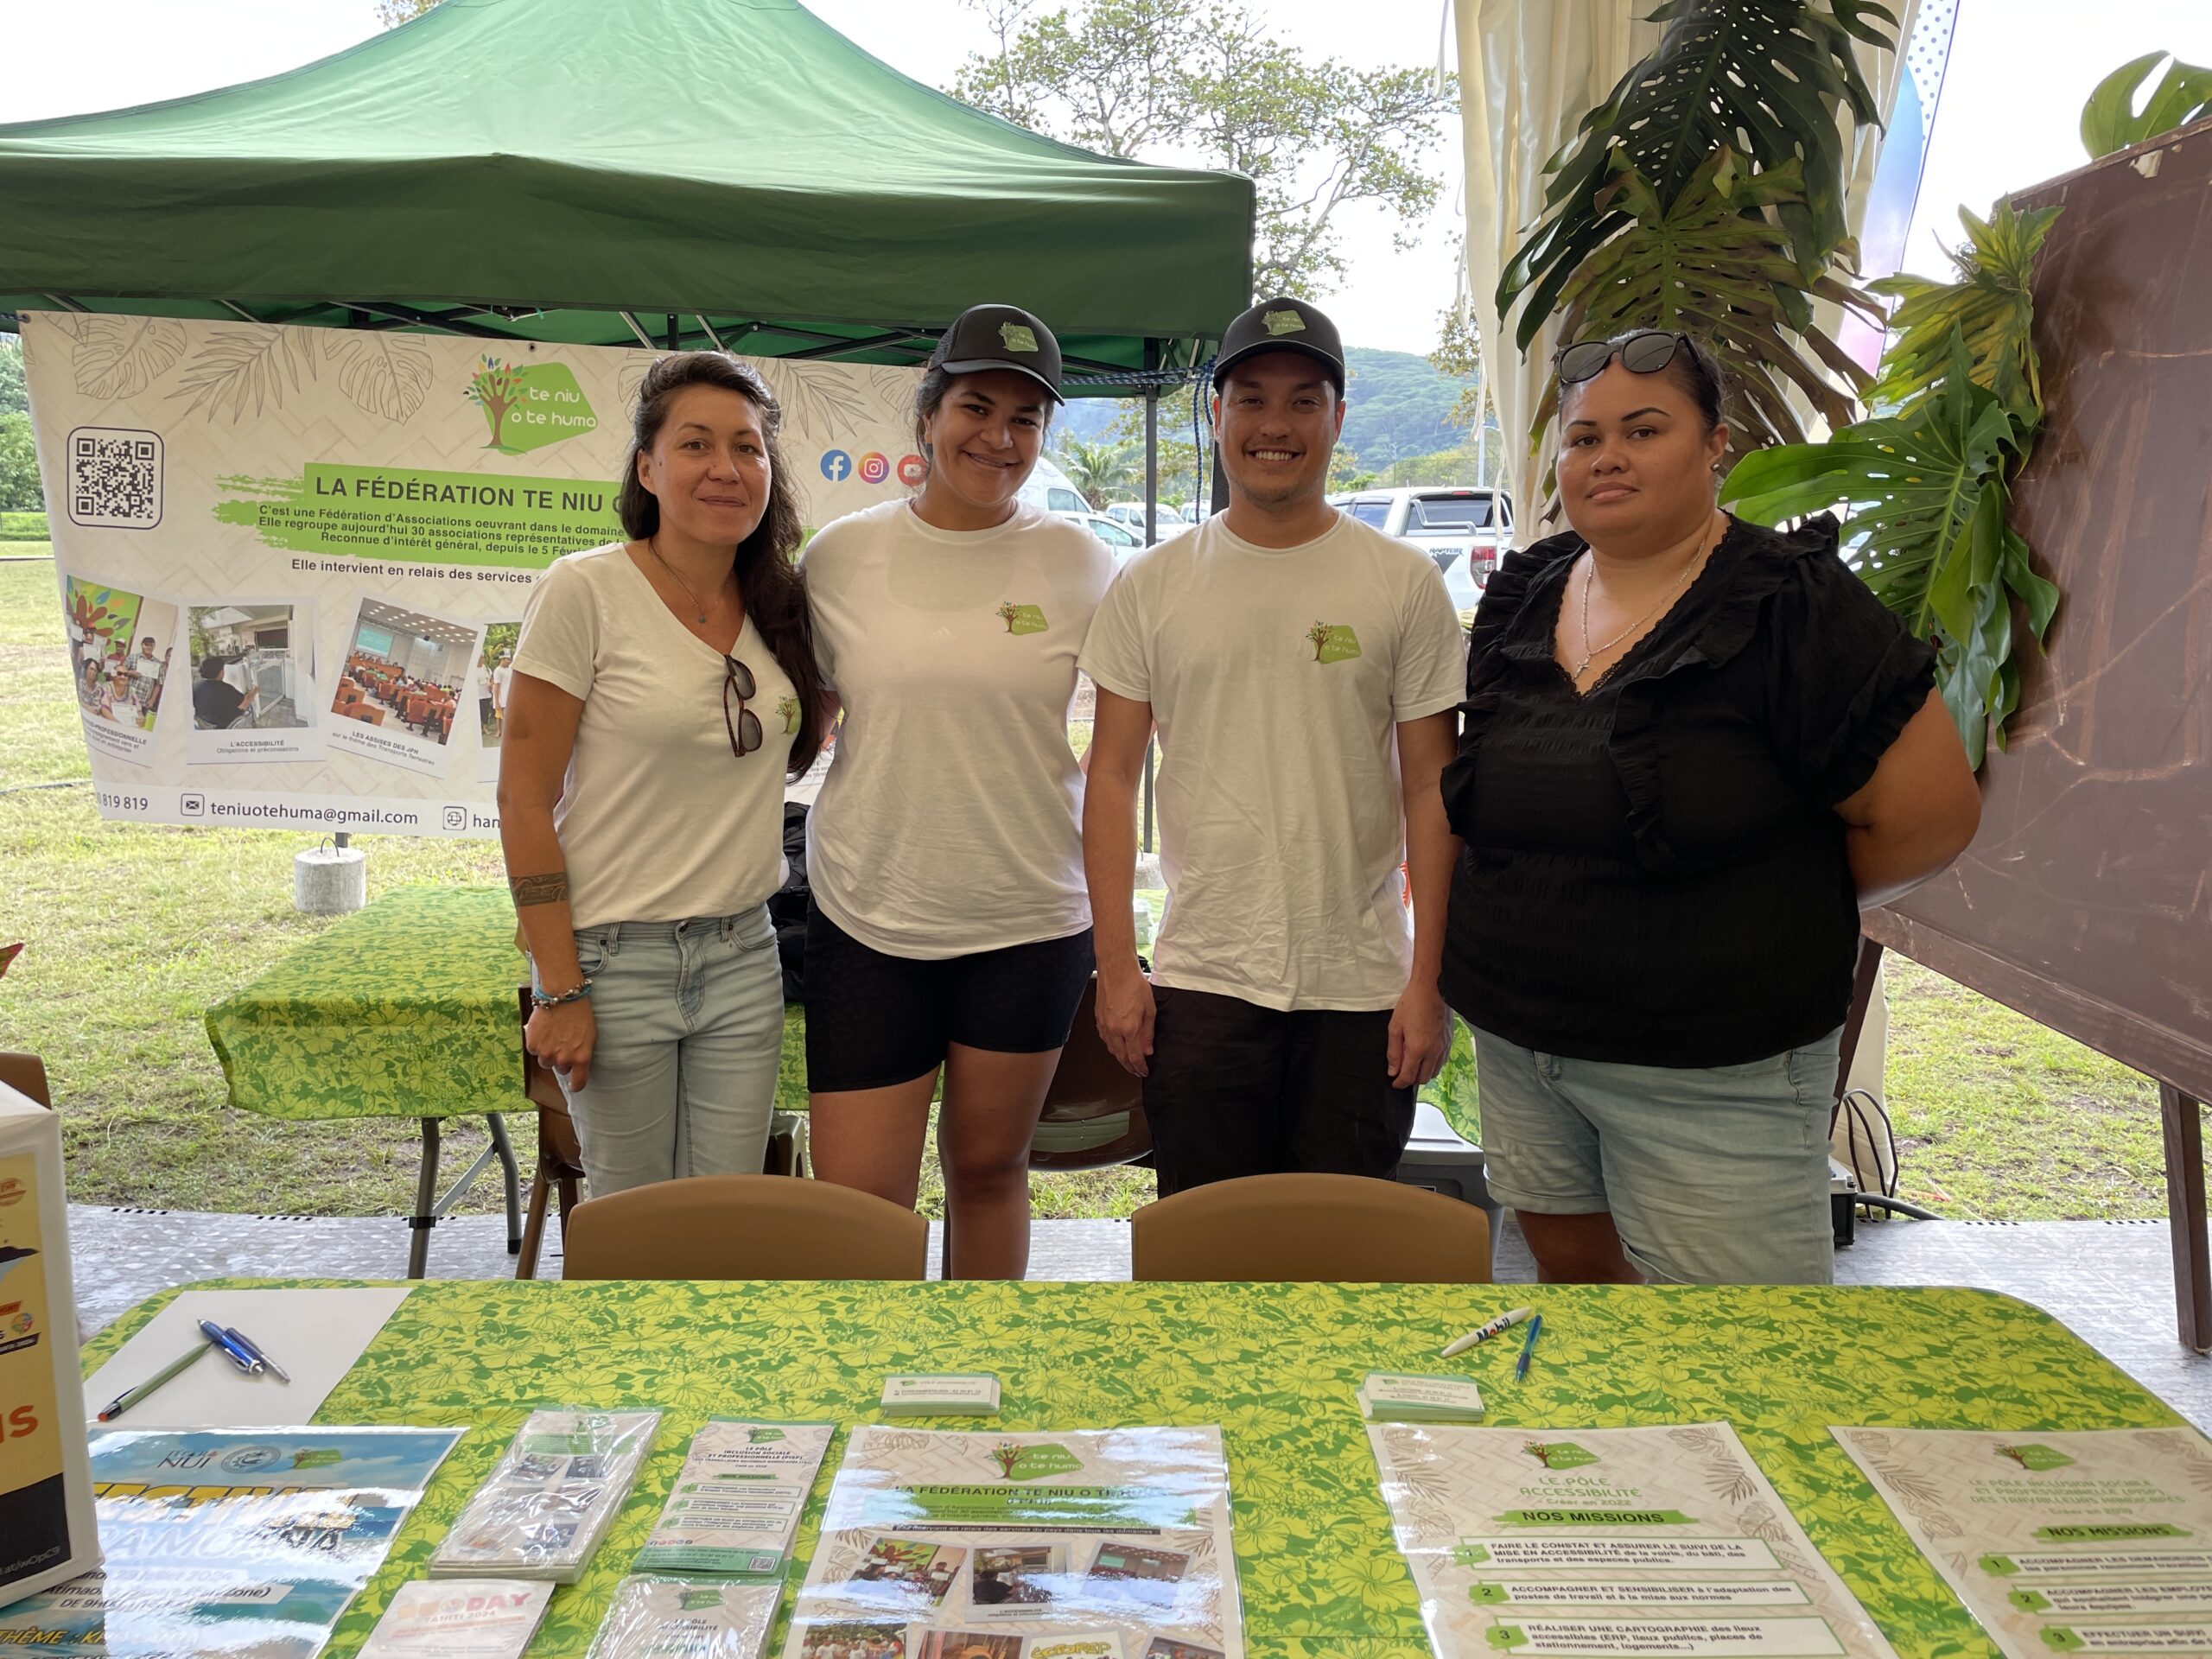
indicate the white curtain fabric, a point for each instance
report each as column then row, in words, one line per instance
column 1529, row 70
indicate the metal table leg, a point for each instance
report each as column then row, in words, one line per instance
column 2182, row 1118
column 506, row 1150
column 426, row 1205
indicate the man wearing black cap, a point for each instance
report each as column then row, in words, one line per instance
column 1302, row 669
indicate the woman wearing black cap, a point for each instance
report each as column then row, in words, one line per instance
column 950, row 929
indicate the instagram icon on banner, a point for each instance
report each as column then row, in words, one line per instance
column 874, row 467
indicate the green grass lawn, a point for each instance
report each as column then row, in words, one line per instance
column 134, row 930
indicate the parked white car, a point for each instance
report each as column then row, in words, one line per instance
column 1050, row 490
column 1117, row 535
column 1465, row 529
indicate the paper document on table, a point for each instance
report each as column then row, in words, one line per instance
column 735, row 1504
column 2093, row 1541
column 316, row 1334
column 958, row 1545
column 1599, row 1542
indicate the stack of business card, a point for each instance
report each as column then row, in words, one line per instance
column 957, row 1395
column 1393, row 1397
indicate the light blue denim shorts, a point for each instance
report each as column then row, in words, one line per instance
column 1717, row 1175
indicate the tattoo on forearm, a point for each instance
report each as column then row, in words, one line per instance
column 539, row 889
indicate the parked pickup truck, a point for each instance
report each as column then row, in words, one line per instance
column 1465, row 529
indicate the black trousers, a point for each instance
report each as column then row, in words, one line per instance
column 1235, row 1089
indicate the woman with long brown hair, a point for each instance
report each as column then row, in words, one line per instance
column 664, row 689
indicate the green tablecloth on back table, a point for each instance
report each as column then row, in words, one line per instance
column 405, row 1009
column 1274, row 1365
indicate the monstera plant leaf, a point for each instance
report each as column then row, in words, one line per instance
column 1765, row 78
column 2109, row 120
column 1924, row 494
column 1990, row 306
column 1714, row 266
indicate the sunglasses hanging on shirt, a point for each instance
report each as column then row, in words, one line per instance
column 745, row 727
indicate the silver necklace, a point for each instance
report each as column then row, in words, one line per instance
column 701, row 603
column 1589, row 570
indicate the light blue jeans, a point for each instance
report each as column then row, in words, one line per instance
column 690, row 1022
column 1714, row 1176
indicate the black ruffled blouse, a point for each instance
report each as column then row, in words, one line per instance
column 1654, row 871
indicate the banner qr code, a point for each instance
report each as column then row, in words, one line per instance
column 114, row 478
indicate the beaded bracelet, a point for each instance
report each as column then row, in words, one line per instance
column 539, row 999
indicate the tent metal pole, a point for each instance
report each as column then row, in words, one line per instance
column 709, row 329
column 674, row 339
column 643, row 338
column 1151, row 535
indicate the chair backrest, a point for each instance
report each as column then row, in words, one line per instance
column 1094, row 1110
column 1297, row 1228
column 744, row 1227
column 26, row 1075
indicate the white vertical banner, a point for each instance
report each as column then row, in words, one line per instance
column 291, row 560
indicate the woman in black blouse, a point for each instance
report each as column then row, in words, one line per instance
column 1694, row 748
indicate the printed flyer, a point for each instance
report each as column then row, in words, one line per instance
column 2096, row 1541
column 231, row 1542
column 293, row 561
column 735, row 1504
column 1602, row 1542
column 1088, row 1544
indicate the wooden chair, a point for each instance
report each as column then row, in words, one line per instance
column 1300, row 1228
column 26, row 1075
column 1094, row 1110
column 560, row 1155
column 744, row 1227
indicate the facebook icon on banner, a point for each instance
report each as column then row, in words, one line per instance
column 835, row 465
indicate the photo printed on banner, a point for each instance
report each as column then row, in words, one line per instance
column 494, row 673
column 399, row 685
column 120, row 646
column 251, row 667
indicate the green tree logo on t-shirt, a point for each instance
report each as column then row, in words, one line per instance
column 1332, row 642
column 787, row 707
column 1023, row 618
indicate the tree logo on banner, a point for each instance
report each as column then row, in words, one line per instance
column 529, row 406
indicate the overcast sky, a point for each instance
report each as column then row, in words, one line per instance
column 2019, row 72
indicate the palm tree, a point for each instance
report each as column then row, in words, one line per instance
column 1100, row 470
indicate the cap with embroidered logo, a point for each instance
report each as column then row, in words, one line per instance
column 1000, row 337
column 1281, row 325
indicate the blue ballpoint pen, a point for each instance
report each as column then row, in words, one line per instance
column 254, row 1349
column 1527, row 1347
column 232, row 1350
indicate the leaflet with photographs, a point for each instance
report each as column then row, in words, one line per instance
column 292, row 559
column 1085, row 1544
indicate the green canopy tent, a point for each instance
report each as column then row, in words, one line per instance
column 671, row 173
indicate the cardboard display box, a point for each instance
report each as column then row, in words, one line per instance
column 46, row 1531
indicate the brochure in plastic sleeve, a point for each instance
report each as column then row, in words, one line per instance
column 735, row 1505
column 1086, row 1544
column 2093, row 1541
column 229, row 1541
column 1593, row 1542
column 549, row 1499
column 459, row 1618
column 686, row 1618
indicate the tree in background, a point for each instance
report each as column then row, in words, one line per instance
column 1103, row 471
column 19, row 486
column 15, row 397
column 1166, row 80
column 392, row 13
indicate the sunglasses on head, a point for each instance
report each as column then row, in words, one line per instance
column 1645, row 352
column 745, row 727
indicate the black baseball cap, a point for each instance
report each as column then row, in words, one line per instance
column 1000, row 337
column 1281, row 325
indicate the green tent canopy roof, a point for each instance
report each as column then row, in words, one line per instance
column 593, row 171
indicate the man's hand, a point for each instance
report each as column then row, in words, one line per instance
column 1125, row 1010
column 1420, row 1036
column 562, row 1037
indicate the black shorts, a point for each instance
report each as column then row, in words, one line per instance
column 1234, row 1089
column 873, row 1020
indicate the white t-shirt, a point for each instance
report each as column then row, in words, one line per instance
column 1277, row 676
column 500, row 677
column 658, row 821
column 950, row 822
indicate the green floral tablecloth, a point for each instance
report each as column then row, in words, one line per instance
column 406, row 1009
column 1274, row 1365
